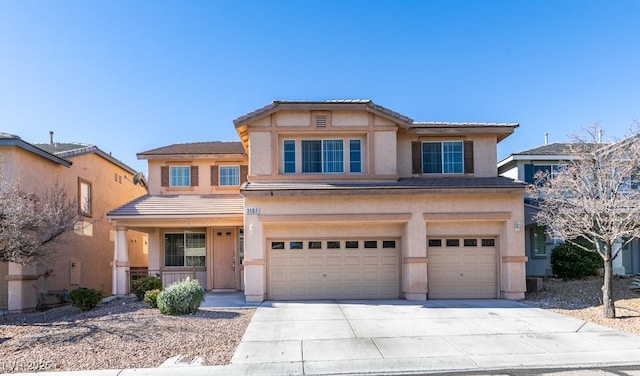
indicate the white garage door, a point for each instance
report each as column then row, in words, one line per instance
column 334, row 269
column 462, row 268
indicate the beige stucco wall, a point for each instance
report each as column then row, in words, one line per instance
column 299, row 217
column 484, row 153
column 260, row 153
column 349, row 118
column 83, row 259
column 385, row 153
column 204, row 186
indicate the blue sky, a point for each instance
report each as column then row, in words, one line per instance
column 129, row 76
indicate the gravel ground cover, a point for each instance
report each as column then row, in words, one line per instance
column 123, row 333
column 582, row 299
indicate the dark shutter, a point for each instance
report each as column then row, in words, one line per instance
column 244, row 171
column 194, row 176
column 416, row 157
column 468, row 157
column 164, row 176
column 528, row 173
column 214, row 175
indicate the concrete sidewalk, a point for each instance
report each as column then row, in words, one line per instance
column 401, row 337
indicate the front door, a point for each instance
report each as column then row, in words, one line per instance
column 224, row 250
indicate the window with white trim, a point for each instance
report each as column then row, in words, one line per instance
column 84, row 197
column 446, row 157
column 229, row 176
column 179, row 176
column 289, row 150
column 185, row 249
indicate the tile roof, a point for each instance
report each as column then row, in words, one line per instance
column 72, row 149
column 212, row 147
column 7, row 139
column 180, row 206
column 401, row 184
column 438, row 124
column 365, row 103
column 9, row 136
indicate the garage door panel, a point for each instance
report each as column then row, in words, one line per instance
column 353, row 273
column 458, row 272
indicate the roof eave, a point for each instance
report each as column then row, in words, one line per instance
column 36, row 150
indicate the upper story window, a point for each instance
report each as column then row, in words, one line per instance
column 229, row 176
column 329, row 156
column 84, row 197
column 355, row 156
column 179, row 176
column 289, row 148
column 532, row 172
column 442, row 157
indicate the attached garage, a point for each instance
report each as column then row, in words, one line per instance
column 333, row 268
column 462, row 268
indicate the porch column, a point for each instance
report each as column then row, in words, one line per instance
column 254, row 261
column 120, row 264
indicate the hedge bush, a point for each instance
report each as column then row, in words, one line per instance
column 571, row 262
column 141, row 285
column 151, row 298
column 181, row 297
column 85, row 298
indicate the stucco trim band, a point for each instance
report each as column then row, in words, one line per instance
column 495, row 216
column 21, row 277
column 415, row 260
column 326, row 218
column 253, row 262
column 514, row 259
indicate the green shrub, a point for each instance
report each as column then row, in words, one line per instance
column 85, row 298
column 141, row 285
column 181, row 297
column 570, row 261
column 151, row 298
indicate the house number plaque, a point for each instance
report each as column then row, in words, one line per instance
column 250, row 211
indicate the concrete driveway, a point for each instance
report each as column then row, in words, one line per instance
column 398, row 336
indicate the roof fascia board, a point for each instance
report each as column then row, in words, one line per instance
column 501, row 132
column 380, row 191
column 36, row 150
column 191, row 156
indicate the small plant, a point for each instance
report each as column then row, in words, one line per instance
column 151, row 298
column 181, row 297
column 571, row 262
column 141, row 285
column 85, row 298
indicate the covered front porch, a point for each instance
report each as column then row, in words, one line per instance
column 195, row 236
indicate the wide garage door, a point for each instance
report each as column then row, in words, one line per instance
column 462, row 268
column 334, row 269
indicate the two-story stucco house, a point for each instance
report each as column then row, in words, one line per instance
column 524, row 166
column 97, row 182
column 342, row 199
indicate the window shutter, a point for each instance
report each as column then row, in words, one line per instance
column 164, row 176
column 194, row 176
column 244, row 171
column 528, row 173
column 416, row 157
column 214, row 176
column 468, row 157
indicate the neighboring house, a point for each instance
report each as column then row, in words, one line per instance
column 344, row 199
column 97, row 182
column 523, row 166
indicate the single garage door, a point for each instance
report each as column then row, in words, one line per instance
column 334, row 269
column 462, row 268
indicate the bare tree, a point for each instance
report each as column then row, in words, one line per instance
column 30, row 225
column 594, row 197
